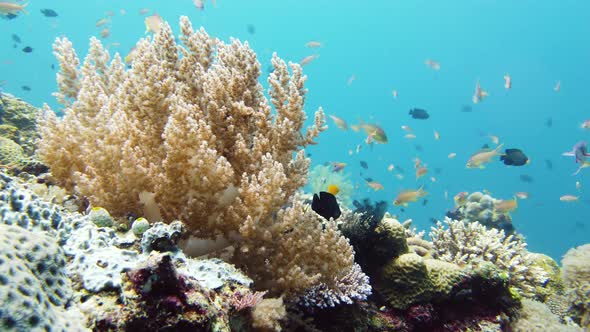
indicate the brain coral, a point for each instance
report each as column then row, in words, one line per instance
column 34, row 288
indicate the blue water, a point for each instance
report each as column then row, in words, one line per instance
column 384, row 44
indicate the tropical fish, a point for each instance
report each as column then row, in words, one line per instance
column 522, row 195
column 391, row 167
column 313, row 44
column 557, row 86
column 9, row 8
column 339, row 122
column 375, row 185
column 364, row 164
column 338, row 166
column 407, row 128
column 326, row 205
column 494, row 139
column 436, row 135
column 351, row 79
column 435, row 65
column 569, row 198
column 418, row 113
column 407, row 196
column 372, row 129
column 578, row 186
column 420, row 172
column 479, row 93
column 506, row 205
column 585, row 124
column 308, row 59
column 410, row 136
column 452, row 155
column 482, row 157
column 507, row 82
column 199, row 4
column 101, row 22
column 48, row 12
column 579, row 152
column 514, row 157
column 153, row 23
column 461, row 198
column 333, row 189
column 394, row 93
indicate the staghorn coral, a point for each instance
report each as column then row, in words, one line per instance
column 470, row 243
column 576, row 278
column 188, row 134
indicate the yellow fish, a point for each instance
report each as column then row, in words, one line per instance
column 482, row 157
column 506, row 205
column 461, row 198
column 7, row 8
column 407, row 196
column 377, row 133
column 375, row 185
column 333, row 189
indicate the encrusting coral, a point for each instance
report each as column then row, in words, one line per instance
column 576, row 277
column 188, row 134
column 470, row 244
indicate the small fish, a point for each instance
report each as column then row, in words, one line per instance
column 480, row 94
column 522, row 195
column 339, row 122
column 461, row 198
column 130, row 56
column 410, row 136
column 526, row 178
column 407, row 196
column 333, row 189
column 514, row 157
column 507, row 82
column 251, row 29
column 26, row 88
column 358, row 148
column 420, row 172
column 480, row 158
column 375, row 130
column 351, row 79
column 391, row 167
column 308, row 59
column 9, row 8
column 466, row 109
column 199, row 4
column 313, row 44
column 364, row 164
column 506, row 205
column 337, row 166
column 326, row 205
column 16, row 38
column 105, row 33
column 569, row 198
column 394, row 93
column 557, row 86
column 578, row 186
column 452, row 155
column 432, row 179
column 101, row 22
column 153, row 23
column 436, row 135
column 28, row 49
column 49, row 12
column 418, row 113
column 585, row 125
column 407, row 128
column 375, row 185
column 549, row 122
column 435, row 65
column 424, row 202
column 579, row 152
column 548, row 164
column 494, row 139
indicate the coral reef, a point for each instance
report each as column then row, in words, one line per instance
column 470, row 243
column 193, row 137
column 321, row 176
column 267, row 314
column 480, row 207
column 34, row 288
column 18, row 121
column 576, row 278
column 535, row 316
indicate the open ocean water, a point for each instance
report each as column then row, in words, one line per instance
column 368, row 50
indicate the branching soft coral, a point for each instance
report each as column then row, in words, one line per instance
column 189, row 127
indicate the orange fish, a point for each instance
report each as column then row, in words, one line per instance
column 375, row 185
column 407, row 196
column 420, row 172
column 12, row 8
column 506, row 205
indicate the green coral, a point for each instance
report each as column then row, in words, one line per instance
column 554, row 284
column 10, row 153
column 411, row 279
column 390, row 239
column 16, row 113
column 322, row 176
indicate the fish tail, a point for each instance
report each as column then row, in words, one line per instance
column 499, row 147
column 22, row 9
